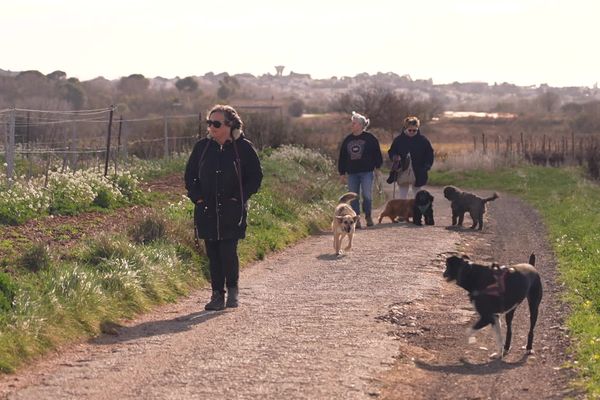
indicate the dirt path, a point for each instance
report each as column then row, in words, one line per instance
column 378, row 322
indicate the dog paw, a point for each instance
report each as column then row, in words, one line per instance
column 528, row 351
column 496, row 356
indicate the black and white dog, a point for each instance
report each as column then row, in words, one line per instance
column 423, row 208
column 496, row 290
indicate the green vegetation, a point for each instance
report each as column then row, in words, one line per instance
column 47, row 299
column 569, row 205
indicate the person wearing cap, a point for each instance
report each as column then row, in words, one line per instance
column 411, row 146
column 360, row 155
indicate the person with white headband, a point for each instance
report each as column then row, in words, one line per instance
column 360, row 155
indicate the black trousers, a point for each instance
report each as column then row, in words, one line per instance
column 223, row 263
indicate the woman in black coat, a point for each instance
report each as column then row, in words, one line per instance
column 223, row 171
column 412, row 144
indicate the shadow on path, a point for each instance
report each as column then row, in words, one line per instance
column 156, row 328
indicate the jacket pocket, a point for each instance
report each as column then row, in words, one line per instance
column 204, row 223
column 231, row 213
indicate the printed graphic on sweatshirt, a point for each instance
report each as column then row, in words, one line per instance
column 356, row 148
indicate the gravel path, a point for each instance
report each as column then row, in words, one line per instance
column 373, row 323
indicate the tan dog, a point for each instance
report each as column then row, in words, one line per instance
column 398, row 210
column 344, row 222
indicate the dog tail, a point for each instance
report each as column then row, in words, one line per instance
column 532, row 259
column 347, row 197
column 494, row 197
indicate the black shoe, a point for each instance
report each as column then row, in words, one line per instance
column 232, row 297
column 358, row 225
column 369, row 220
column 217, row 301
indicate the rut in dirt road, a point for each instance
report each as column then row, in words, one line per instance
column 310, row 326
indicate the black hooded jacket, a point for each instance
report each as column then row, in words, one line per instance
column 220, row 187
column 421, row 154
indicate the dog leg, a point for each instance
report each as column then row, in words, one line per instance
column 349, row 247
column 475, row 221
column 471, row 336
column 429, row 219
column 509, row 318
column 337, row 244
column 534, row 299
column 498, row 333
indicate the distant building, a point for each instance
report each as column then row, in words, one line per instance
column 279, row 69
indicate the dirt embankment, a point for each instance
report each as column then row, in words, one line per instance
column 378, row 322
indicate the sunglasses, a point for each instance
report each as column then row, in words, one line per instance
column 216, row 124
column 411, row 130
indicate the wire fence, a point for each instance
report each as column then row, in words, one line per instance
column 37, row 139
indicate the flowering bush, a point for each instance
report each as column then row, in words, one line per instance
column 66, row 193
column 70, row 194
column 22, row 201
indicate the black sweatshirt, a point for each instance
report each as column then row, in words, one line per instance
column 359, row 153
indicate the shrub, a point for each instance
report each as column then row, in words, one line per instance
column 105, row 248
column 7, row 292
column 21, row 202
column 149, row 228
column 35, row 258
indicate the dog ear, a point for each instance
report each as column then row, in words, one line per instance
column 339, row 217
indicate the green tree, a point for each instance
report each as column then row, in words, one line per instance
column 57, row 75
column 74, row 94
column 296, row 108
column 187, row 84
column 134, row 84
column 224, row 91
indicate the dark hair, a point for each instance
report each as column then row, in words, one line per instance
column 232, row 118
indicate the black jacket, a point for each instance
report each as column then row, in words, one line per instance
column 359, row 153
column 211, row 175
column 421, row 154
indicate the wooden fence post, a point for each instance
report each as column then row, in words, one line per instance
column 522, row 144
column 110, row 120
column 10, row 147
column 166, row 132
column 483, row 143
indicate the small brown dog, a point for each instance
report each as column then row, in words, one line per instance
column 344, row 222
column 398, row 210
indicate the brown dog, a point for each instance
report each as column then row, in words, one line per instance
column 344, row 222
column 398, row 210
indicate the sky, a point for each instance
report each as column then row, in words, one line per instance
column 524, row 42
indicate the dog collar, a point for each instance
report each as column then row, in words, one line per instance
column 424, row 207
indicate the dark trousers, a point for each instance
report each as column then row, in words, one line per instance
column 223, row 263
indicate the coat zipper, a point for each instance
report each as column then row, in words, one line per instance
column 217, row 196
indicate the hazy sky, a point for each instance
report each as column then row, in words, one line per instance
column 526, row 42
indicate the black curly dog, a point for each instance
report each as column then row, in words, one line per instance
column 496, row 290
column 423, row 208
column 462, row 202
